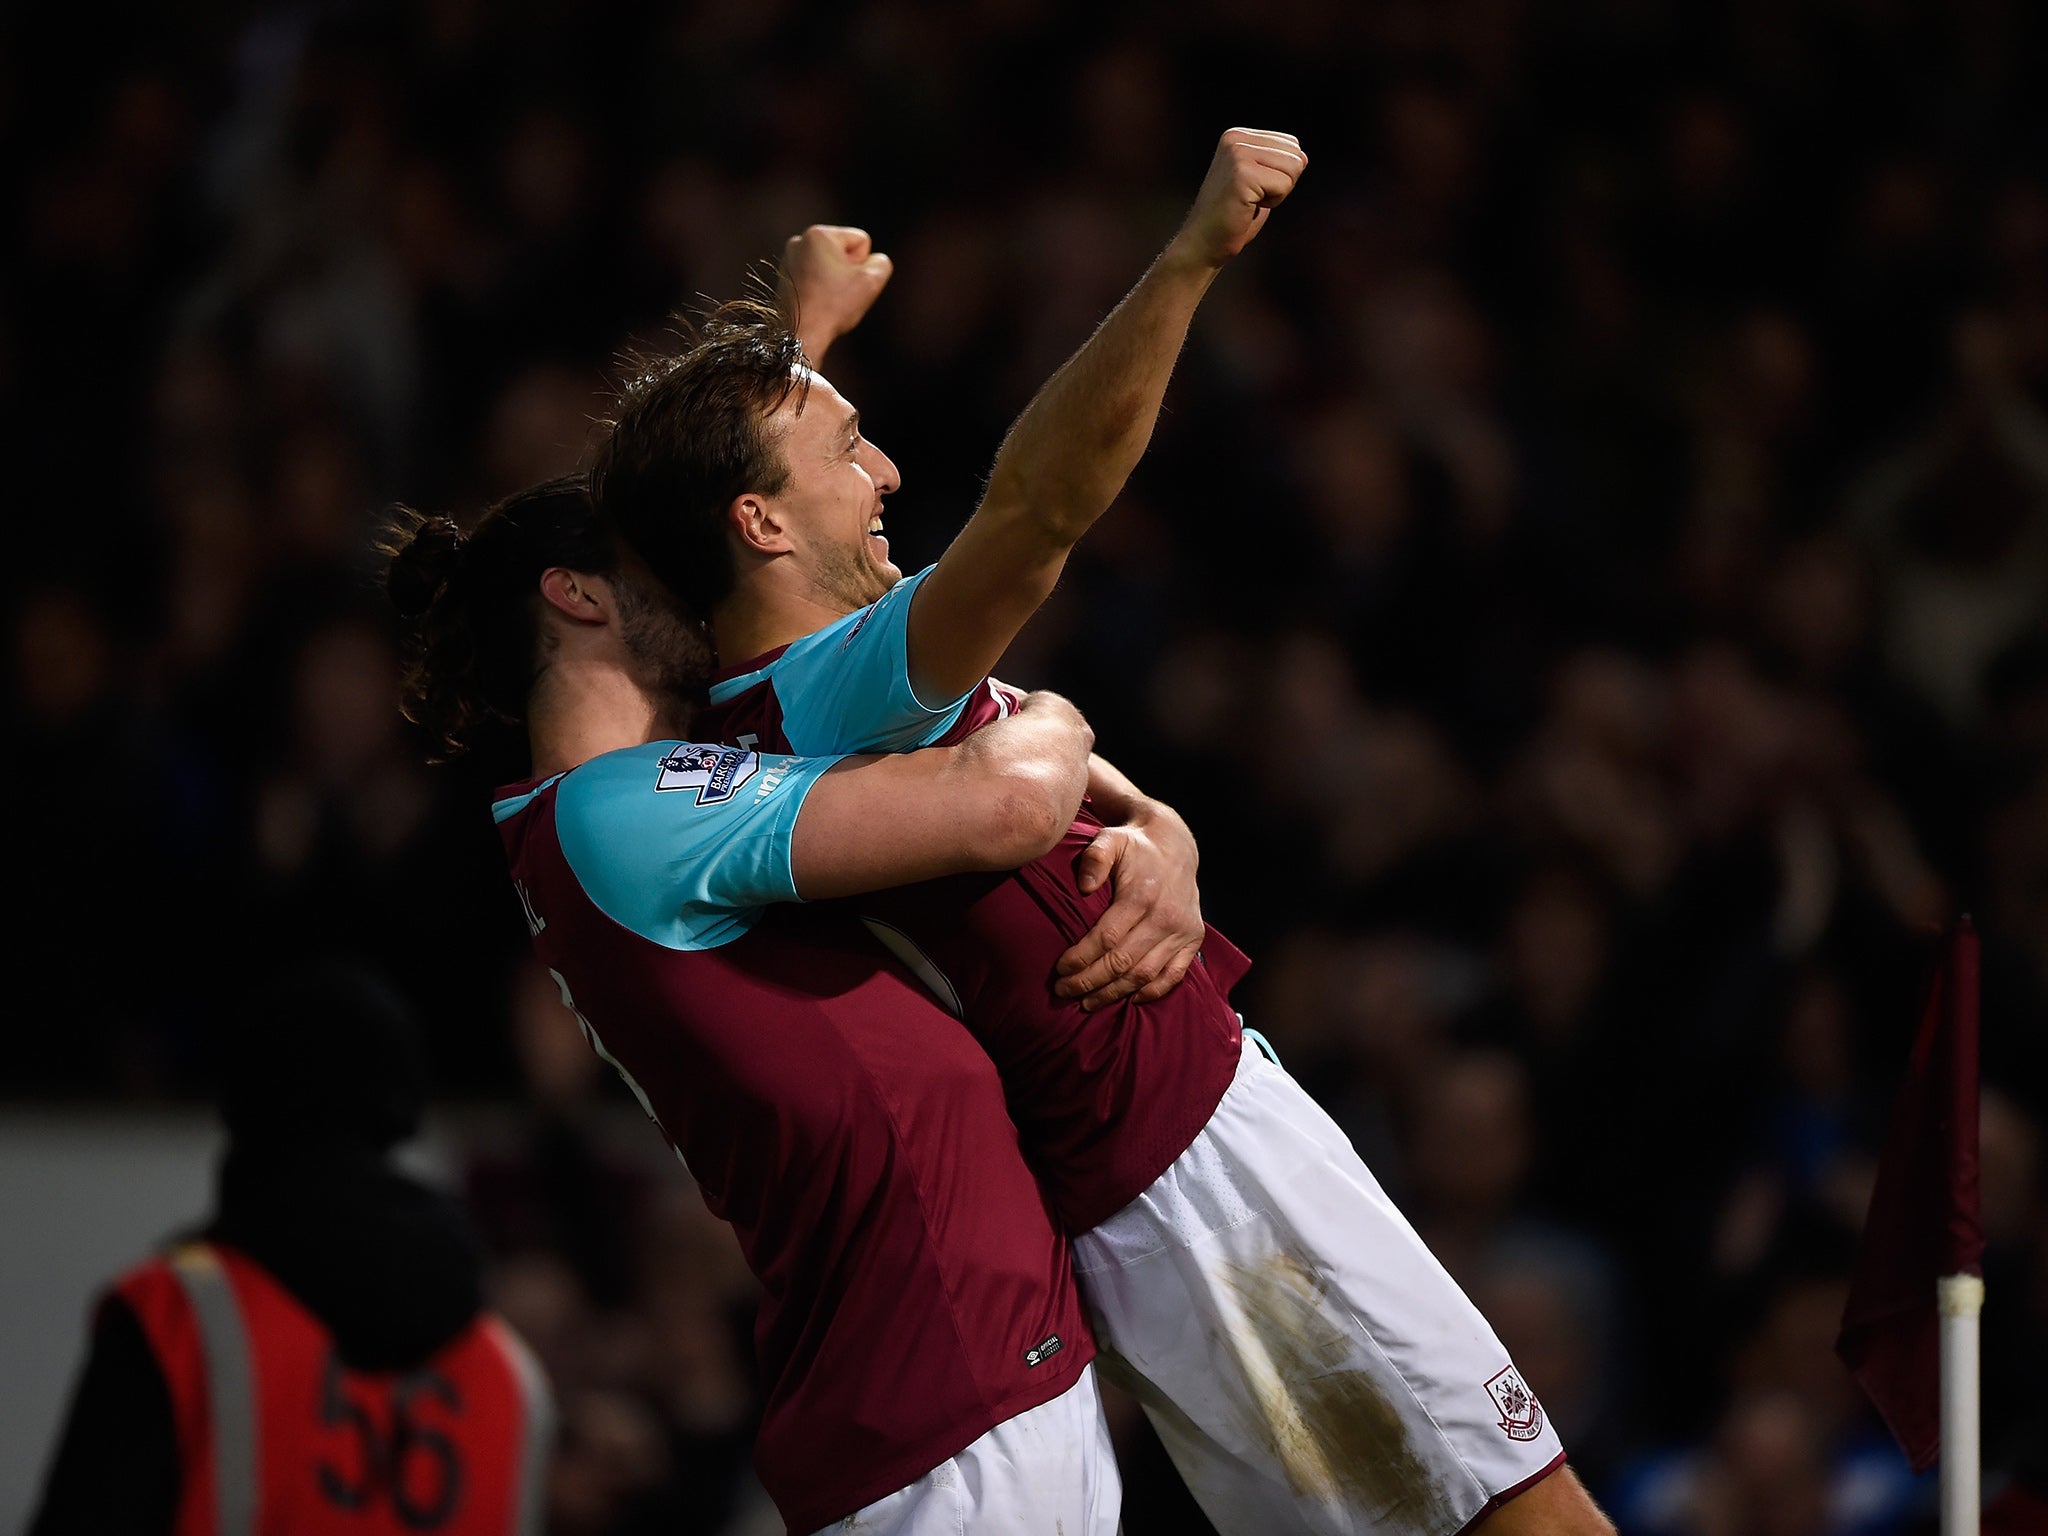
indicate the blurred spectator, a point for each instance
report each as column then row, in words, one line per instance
column 1791, row 1446
column 318, row 1351
column 345, row 833
column 114, row 788
column 555, row 1185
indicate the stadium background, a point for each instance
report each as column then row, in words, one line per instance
column 1586, row 593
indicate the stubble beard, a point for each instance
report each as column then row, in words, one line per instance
column 672, row 657
column 849, row 579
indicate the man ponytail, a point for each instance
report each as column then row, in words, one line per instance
column 471, row 604
column 422, row 552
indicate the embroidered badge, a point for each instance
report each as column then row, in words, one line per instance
column 714, row 772
column 1520, row 1414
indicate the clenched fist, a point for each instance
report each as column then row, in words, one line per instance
column 830, row 276
column 1252, row 174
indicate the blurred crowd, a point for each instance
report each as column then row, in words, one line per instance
column 1586, row 593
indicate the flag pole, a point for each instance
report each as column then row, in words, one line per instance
column 1909, row 1330
column 1961, row 1299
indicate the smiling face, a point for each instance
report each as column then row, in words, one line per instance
column 831, row 506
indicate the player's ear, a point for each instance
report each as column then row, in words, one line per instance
column 757, row 525
column 575, row 594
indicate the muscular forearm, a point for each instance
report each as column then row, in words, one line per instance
column 1068, row 455
column 815, row 329
column 1059, row 469
column 1070, row 452
column 815, row 343
column 997, row 800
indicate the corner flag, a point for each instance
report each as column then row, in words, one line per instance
column 1923, row 1232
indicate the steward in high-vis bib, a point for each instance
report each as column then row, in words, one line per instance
column 276, row 1433
column 316, row 1358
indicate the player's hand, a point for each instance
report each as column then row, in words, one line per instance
column 831, row 275
column 1153, row 929
column 1252, row 174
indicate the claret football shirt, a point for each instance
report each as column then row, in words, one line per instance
column 1105, row 1100
column 915, row 1288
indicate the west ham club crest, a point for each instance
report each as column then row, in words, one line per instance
column 1520, row 1414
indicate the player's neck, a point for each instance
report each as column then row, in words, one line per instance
column 578, row 712
column 763, row 614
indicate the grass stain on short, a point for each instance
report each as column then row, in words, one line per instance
column 1329, row 1425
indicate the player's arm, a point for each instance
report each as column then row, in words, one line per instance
column 829, row 277
column 1153, row 930
column 685, row 843
column 1068, row 455
column 997, row 800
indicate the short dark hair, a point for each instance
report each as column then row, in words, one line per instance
column 690, row 433
column 472, row 603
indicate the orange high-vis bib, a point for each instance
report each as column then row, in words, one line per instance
column 277, row 1437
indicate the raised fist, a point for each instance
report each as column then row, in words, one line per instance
column 1252, row 174
column 830, row 276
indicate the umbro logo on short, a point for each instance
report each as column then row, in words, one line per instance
column 1044, row 1351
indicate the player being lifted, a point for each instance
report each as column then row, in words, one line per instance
column 923, row 1357
column 1306, row 1361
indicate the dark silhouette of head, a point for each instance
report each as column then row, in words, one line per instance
column 324, row 1054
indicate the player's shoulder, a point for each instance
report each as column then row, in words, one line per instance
column 682, row 842
column 637, row 828
column 623, row 770
column 888, row 609
column 637, row 786
column 897, row 598
column 625, row 784
column 597, row 803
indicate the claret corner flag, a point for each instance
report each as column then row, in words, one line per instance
column 1924, row 1223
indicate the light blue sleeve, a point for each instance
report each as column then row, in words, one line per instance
column 846, row 688
column 683, row 843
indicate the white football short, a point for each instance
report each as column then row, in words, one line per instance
column 1049, row 1469
column 1306, row 1361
